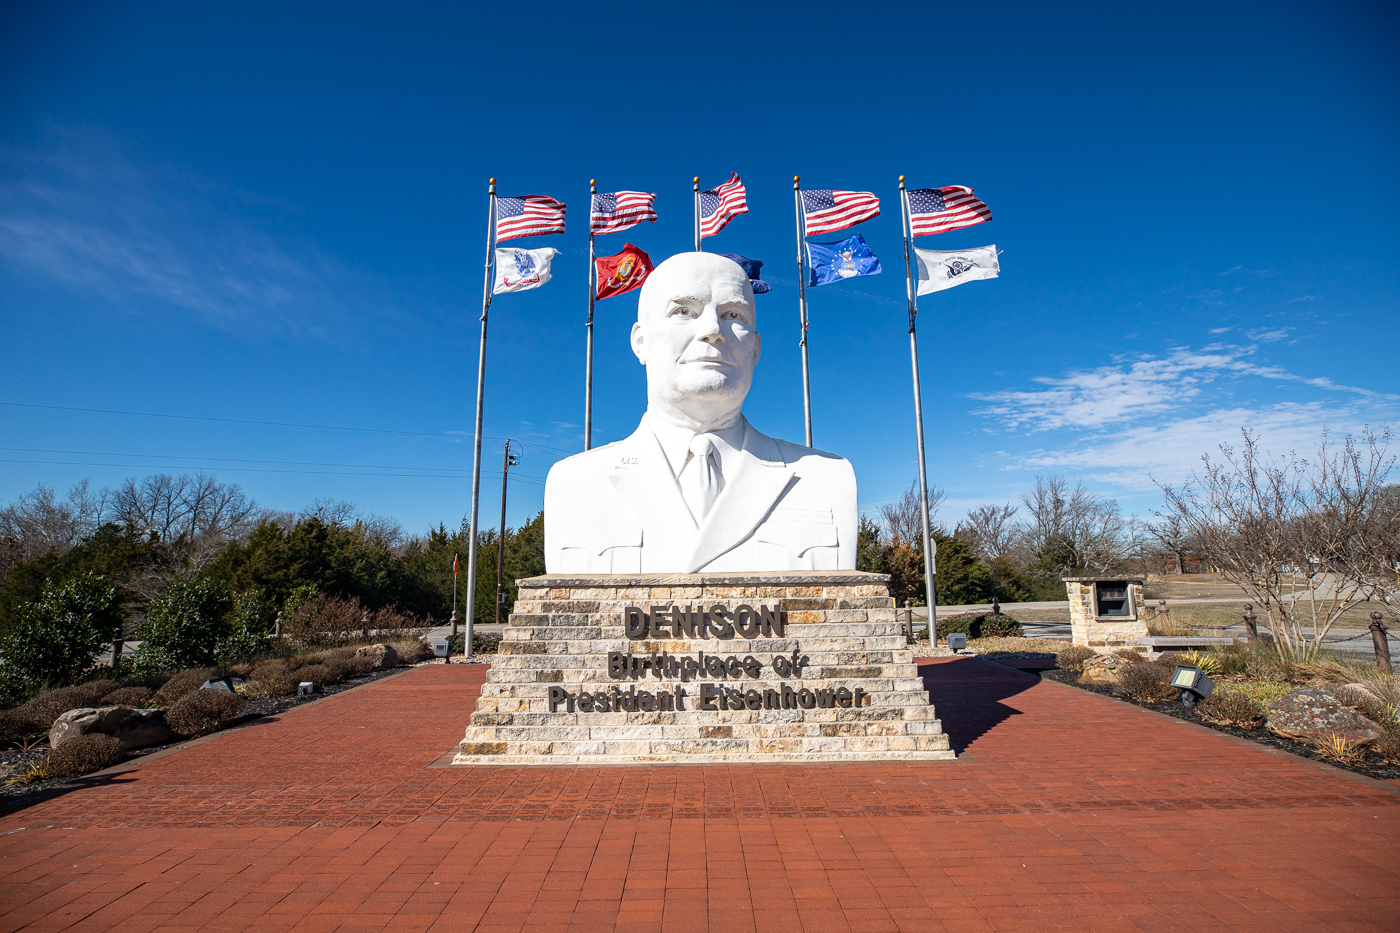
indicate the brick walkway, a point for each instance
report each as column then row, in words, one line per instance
column 1068, row 811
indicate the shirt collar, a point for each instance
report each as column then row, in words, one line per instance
column 675, row 443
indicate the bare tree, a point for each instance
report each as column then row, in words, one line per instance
column 1085, row 529
column 39, row 522
column 344, row 514
column 1171, row 536
column 197, row 512
column 991, row 530
column 901, row 516
column 1292, row 533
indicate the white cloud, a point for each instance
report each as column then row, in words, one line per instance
column 1133, row 457
column 1130, row 391
column 1270, row 336
column 1221, row 330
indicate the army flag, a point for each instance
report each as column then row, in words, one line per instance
column 621, row 272
column 844, row 259
column 519, row 269
column 940, row 269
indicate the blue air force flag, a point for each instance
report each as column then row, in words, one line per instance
column 940, row 269
column 832, row 262
column 519, row 269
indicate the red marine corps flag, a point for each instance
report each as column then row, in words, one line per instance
column 622, row 271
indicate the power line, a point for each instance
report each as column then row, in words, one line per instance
column 117, row 453
column 456, row 435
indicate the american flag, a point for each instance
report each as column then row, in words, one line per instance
column 621, row 210
column 532, row 215
column 827, row 210
column 938, row 210
column 719, row 206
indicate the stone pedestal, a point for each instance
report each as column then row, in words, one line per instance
column 734, row 667
column 1109, row 626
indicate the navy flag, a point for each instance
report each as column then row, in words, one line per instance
column 845, row 259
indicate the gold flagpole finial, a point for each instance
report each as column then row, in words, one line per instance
column 697, row 181
column 493, row 181
column 795, row 180
column 901, row 179
column 593, row 181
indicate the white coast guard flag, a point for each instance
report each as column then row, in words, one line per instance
column 940, row 269
column 519, row 269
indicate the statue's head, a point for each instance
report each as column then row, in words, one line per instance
column 697, row 335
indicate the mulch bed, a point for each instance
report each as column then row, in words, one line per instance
column 1374, row 766
column 16, row 760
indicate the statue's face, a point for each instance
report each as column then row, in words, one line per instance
column 696, row 331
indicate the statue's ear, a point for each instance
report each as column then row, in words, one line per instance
column 636, row 340
column 757, row 347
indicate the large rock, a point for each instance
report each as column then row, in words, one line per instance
column 1102, row 670
column 1313, row 714
column 383, row 656
column 136, row 728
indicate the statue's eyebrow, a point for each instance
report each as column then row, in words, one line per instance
column 686, row 298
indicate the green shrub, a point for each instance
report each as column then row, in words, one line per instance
column 249, row 625
column 55, row 639
column 129, row 696
column 1146, row 681
column 184, row 627
column 182, row 684
column 979, row 625
column 1231, row 708
column 84, row 754
column 203, row 711
column 1073, row 658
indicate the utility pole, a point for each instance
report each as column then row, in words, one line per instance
column 509, row 461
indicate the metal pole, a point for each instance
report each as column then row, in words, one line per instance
column 588, row 366
column 930, row 567
column 480, row 399
column 501, row 536
column 802, row 306
column 697, row 213
column 455, row 560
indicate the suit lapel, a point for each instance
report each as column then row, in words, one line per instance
column 748, row 496
column 649, row 491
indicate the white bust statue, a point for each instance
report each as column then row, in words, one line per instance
column 696, row 487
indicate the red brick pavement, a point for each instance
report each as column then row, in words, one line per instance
column 1067, row 811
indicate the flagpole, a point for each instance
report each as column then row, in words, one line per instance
column 697, row 213
column 592, row 289
column 470, row 607
column 929, row 564
column 802, row 305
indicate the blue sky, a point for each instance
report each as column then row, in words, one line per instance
column 275, row 213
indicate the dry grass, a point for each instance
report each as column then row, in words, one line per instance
column 1011, row 644
column 182, row 684
column 1146, row 681
column 1232, row 708
column 1073, row 658
column 1337, row 749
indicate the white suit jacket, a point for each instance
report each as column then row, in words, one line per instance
column 619, row 509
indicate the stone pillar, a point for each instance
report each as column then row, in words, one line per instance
column 613, row 668
column 1117, row 623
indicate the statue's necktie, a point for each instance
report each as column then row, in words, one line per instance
column 701, row 479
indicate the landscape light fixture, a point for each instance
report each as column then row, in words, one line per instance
column 1194, row 684
column 441, row 647
column 957, row 641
